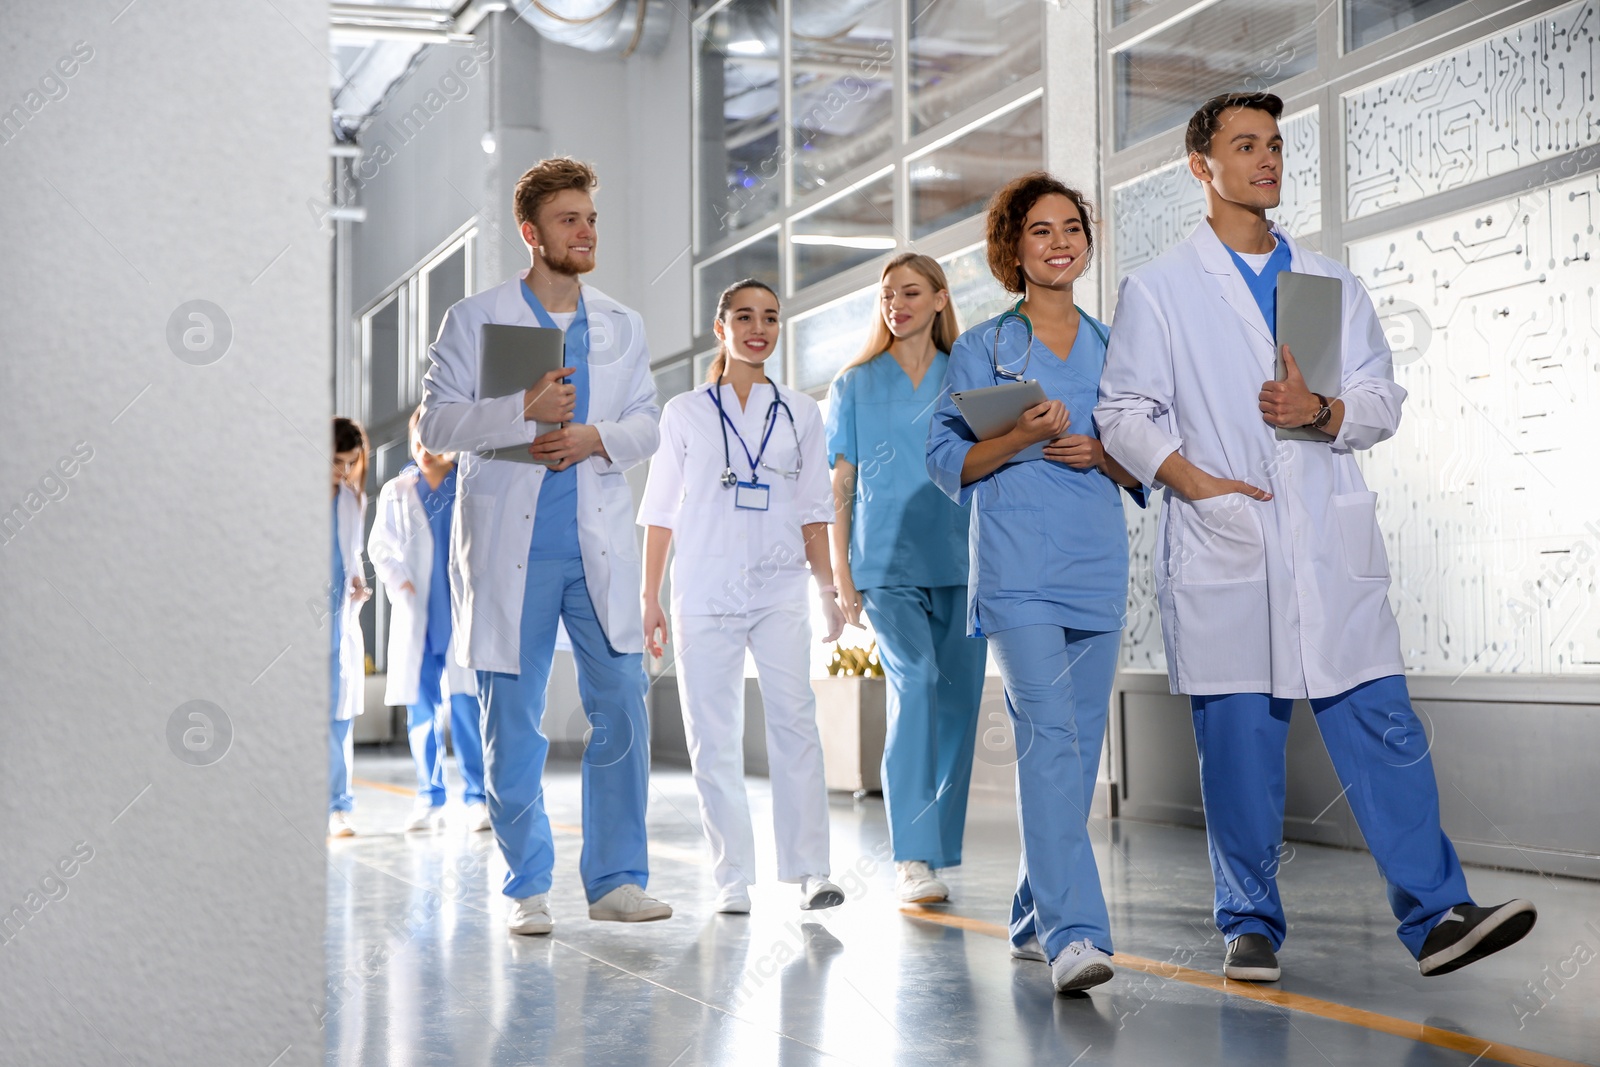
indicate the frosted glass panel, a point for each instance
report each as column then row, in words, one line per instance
column 973, row 290
column 1513, row 99
column 1484, row 494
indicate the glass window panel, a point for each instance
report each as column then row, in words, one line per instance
column 843, row 87
column 1123, row 10
column 1231, row 45
column 383, row 361
column 1366, row 21
column 851, row 230
column 758, row 259
column 674, row 379
column 827, row 338
column 973, row 290
column 738, row 129
column 702, row 367
column 965, row 50
column 446, row 283
column 956, row 180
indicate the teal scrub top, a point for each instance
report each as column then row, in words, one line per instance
column 1049, row 544
column 903, row 530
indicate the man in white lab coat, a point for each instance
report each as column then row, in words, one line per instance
column 1270, row 568
column 534, row 545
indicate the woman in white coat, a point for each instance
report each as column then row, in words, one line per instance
column 347, row 591
column 410, row 551
column 741, row 480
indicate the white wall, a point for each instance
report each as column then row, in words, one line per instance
column 173, row 538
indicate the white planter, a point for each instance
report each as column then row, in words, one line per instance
column 852, row 719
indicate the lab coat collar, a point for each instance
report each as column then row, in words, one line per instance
column 1219, row 264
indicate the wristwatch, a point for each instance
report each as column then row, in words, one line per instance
column 1324, row 413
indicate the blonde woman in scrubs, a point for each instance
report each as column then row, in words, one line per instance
column 741, row 482
column 900, row 554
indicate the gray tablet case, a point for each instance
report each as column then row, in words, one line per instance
column 1311, row 323
column 994, row 410
column 511, row 359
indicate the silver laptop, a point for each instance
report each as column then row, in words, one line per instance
column 510, row 359
column 1311, row 323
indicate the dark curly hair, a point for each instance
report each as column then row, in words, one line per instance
column 1009, row 209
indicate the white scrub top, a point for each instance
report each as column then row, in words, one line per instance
column 1287, row 596
column 729, row 560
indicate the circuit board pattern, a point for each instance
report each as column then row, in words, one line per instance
column 1484, row 495
column 1508, row 101
column 1156, row 210
column 1150, row 214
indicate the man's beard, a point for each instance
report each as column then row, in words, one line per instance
column 567, row 264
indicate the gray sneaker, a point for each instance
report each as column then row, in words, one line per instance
column 1251, row 959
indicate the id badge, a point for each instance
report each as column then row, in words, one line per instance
column 750, row 496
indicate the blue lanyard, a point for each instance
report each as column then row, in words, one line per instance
column 770, row 423
column 575, row 346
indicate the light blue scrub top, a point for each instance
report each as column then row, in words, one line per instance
column 555, row 522
column 1264, row 286
column 903, row 530
column 438, row 504
column 1048, row 543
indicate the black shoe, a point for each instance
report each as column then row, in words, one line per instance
column 1467, row 933
column 1251, row 959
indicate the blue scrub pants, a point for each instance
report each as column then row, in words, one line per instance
column 935, row 675
column 425, row 730
column 1380, row 753
column 1058, row 688
column 341, row 756
column 616, row 762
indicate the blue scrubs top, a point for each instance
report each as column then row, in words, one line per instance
column 438, row 504
column 903, row 530
column 1048, row 543
column 555, row 523
column 1264, row 286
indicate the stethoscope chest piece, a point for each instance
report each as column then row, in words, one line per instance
column 729, row 479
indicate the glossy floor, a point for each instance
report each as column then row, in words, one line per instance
column 421, row 970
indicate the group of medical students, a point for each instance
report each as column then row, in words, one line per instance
column 1271, row 572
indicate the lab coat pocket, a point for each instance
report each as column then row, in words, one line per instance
column 1223, row 542
column 1363, row 542
column 474, row 534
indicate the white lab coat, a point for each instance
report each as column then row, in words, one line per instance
column 496, row 498
column 730, row 560
column 1290, row 596
column 401, row 550
column 352, row 650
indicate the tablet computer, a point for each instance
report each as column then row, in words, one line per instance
column 510, row 359
column 1311, row 323
column 993, row 411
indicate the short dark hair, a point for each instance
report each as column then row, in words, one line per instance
column 1009, row 209
column 1203, row 123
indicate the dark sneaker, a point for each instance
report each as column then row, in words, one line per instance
column 1467, row 933
column 1251, row 959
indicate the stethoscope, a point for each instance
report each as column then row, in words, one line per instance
column 729, row 479
column 1015, row 312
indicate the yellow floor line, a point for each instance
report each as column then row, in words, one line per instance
column 1343, row 1013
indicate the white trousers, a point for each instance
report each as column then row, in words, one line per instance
column 711, row 691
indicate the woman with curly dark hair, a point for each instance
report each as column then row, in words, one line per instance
column 1048, row 579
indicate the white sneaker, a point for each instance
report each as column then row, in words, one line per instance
column 733, row 902
column 531, row 915
column 916, row 884
column 817, row 893
column 477, row 818
column 629, row 904
column 1079, row 966
column 425, row 816
column 1029, row 950
column 339, row 824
